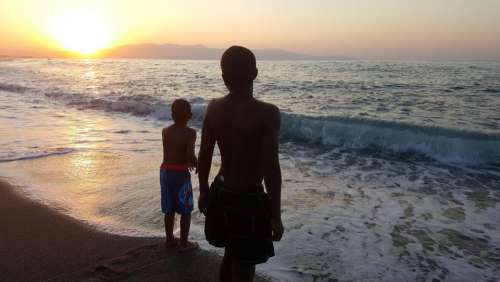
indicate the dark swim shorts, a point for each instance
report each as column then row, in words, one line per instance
column 176, row 191
column 240, row 222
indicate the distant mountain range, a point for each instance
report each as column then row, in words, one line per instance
column 199, row 52
column 165, row 51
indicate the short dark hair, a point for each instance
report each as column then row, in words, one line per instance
column 181, row 110
column 238, row 65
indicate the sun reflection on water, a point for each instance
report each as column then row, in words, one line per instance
column 87, row 168
column 99, row 175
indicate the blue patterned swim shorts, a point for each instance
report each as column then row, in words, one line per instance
column 176, row 191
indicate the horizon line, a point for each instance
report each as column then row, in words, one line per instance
column 53, row 53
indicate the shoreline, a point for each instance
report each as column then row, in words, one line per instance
column 38, row 243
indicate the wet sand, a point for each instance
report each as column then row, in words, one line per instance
column 39, row 244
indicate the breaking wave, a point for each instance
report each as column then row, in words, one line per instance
column 443, row 144
column 37, row 155
column 12, row 88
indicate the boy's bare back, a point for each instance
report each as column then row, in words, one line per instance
column 246, row 131
column 178, row 145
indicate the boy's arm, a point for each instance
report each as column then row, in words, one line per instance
column 190, row 157
column 205, row 157
column 271, row 169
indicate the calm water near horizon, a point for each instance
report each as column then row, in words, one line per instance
column 391, row 169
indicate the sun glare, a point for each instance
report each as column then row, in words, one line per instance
column 82, row 32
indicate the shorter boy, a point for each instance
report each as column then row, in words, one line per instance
column 175, row 177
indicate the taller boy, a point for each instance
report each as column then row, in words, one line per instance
column 240, row 216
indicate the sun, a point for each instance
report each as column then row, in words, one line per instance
column 82, row 32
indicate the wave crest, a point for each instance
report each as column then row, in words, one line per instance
column 12, row 88
column 442, row 144
column 36, row 155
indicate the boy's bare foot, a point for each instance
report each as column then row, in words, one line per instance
column 171, row 243
column 188, row 246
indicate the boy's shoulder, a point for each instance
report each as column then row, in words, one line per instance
column 266, row 106
column 191, row 131
column 182, row 128
column 170, row 129
column 166, row 128
column 183, row 132
column 217, row 103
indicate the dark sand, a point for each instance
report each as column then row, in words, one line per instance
column 39, row 244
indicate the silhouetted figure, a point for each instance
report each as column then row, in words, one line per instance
column 175, row 179
column 240, row 216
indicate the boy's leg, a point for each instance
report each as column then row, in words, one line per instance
column 185, row 207
column 242, row 271
column 232, row 269
column 167, row 209
column 169, row 227
column 185, row 224
column 226, row 267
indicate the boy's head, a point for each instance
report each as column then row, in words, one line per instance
column 239, row 68
column 181, row 111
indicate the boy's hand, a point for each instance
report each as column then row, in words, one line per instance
column 203, row 202
column 193, row 165
column 193, row 168
column 277, row 228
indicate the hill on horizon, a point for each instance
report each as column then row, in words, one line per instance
column 199, row 52
column 164, row 51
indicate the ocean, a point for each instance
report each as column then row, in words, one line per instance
column 391, row 169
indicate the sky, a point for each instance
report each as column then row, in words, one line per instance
column 381, row 29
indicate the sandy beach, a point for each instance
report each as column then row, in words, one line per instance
column 39, row 244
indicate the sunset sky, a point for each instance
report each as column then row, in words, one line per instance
column 427, row 29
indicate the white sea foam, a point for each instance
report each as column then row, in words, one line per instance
column 18, row 156
column 443, row 144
